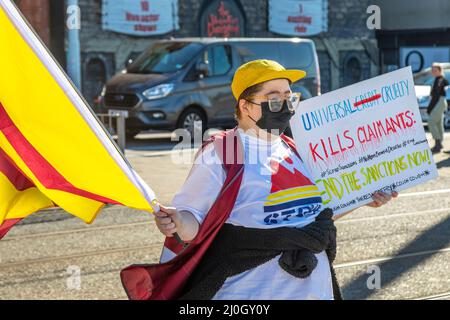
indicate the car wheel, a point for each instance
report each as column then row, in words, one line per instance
column 194, row 121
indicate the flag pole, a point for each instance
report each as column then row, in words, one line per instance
column 73, row 25
column 155, row 206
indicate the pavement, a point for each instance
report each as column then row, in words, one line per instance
column 52, row 255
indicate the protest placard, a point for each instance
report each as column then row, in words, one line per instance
column 364, row 138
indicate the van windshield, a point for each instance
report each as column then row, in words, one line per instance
column 165, row 57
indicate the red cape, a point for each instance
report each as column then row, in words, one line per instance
column 165, row 281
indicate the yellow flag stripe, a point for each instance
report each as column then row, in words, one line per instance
column 19, row 204
column 60, row 126
column 83, row 208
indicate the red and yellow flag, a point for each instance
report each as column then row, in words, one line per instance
column 53, row 149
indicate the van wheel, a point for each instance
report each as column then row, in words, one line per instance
column 193, row 120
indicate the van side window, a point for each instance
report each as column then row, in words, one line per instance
column 219, row 60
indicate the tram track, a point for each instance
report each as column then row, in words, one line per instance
column 158, row 245
column 151, row 222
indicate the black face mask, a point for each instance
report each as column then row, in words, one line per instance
column 274, row 120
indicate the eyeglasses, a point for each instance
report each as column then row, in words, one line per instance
column 276, row 103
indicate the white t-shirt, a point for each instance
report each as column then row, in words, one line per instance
column 276, row 190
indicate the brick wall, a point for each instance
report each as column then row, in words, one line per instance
column 346, row 28
column 37, row 13
column 347, row 19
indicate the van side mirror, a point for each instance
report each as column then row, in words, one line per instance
column 202, row 69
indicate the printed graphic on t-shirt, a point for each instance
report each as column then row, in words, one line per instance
column 292, row 195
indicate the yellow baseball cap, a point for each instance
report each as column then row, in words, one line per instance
column 258, row 71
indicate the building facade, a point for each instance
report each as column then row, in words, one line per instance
column 347, row 49
column 413, row 32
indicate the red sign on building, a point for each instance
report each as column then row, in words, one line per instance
column 222, row 18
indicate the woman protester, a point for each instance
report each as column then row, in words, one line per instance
column 279, row 241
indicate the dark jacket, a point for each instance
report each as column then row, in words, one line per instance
column 437, row 91
column 238, row 249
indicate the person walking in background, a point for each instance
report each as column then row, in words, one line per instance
column 437, row 107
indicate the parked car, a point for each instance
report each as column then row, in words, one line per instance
column 423, row 81
column 185, row 82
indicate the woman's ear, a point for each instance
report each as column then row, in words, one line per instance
column 243, row 106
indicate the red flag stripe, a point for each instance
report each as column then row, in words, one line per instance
column 7, row 225
column 47, row 175
column 13, row 174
